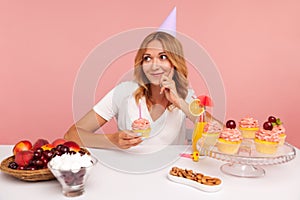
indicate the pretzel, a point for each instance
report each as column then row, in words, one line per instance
column 198, row 177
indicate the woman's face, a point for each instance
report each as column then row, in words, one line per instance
column 156, row 62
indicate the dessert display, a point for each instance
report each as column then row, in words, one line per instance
column 248, row 126
column 267, row 148
column 142, row 126
column 278, row 127
column 194, row 179
column 29, row 161
column 230, row 138
column 266, row 139
column 71, row 169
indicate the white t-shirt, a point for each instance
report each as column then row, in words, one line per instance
column 169, row 128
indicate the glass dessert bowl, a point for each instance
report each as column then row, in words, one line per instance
column 72, row 175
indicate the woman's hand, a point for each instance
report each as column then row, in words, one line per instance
column 126, row 139
column 168, row 87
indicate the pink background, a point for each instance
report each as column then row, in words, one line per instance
column 255, row 45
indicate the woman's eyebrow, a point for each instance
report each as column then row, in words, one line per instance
column 149, row 54
column 162, row 53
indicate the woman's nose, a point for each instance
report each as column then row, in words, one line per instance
column 155, row 64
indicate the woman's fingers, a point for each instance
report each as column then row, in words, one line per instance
column 131, row 142
column 128, row 139
column 125, row 144
column 166, row 83
column 168, row 87
column 127, row 135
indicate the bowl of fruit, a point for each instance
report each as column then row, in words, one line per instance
column 29, row 161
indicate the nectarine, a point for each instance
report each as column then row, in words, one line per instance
column 39, row 143
column 23, row 158
column 73, row 146
column 22, row 146
column 58, row 141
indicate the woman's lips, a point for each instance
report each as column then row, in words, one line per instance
column 157, row 74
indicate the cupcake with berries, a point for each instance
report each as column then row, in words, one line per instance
column 211, row 133
column 266, row 139
column 278, row 127
column 230, row 138
column 248, row 126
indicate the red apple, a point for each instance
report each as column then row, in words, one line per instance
column 22, row 146
column 58, row 141
column 39, row 143
column 73, row 146
column 23, row 158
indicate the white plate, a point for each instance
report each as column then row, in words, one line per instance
column 200, row 186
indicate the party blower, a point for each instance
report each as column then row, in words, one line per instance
column 198, row 108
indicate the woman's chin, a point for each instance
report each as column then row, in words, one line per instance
column 155, row 83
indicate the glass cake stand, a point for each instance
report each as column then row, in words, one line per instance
column 247, row 162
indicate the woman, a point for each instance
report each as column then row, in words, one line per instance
column 161, row 88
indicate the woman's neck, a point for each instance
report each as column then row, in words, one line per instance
column 156, row 96
column 159, row 102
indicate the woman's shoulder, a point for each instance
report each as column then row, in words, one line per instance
column 127, row 86
column 124, row 89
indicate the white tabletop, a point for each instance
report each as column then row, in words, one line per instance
column 280, row 182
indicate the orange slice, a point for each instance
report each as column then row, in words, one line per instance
column 195, row 108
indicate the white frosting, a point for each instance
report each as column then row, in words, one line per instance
column 72, row 162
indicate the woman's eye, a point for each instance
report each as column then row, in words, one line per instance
column 147, row 58
column 163, row 57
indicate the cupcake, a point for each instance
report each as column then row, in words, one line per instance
column 142, row 126
column 229, row 139
column 248, row 126
column 281, row 132
column 266, row 139
column 278, row 127
column 211, row 133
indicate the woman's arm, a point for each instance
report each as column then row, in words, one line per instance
column 83, row 133
column 184, row 106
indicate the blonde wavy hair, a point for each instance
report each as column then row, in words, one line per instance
column 174, row 52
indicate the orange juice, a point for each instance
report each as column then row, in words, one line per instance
column 197, row 134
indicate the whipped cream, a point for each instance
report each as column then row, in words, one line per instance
column 140, row 124
column 248, row 122
column 232, row 135
column 73, row 162
column 267, row 135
